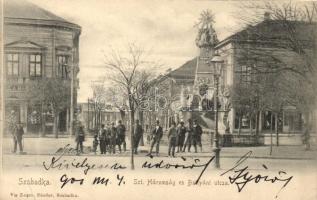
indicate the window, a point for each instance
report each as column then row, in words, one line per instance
column 62, row 70
column 35, row 65
column 245, row 74
column 13, row 64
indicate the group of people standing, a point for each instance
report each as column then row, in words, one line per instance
column 109, row 137
column 180, row 138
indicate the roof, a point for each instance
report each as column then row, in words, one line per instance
column 186, row 71
column 274, row 30
column 24, row 11
column 263, row 31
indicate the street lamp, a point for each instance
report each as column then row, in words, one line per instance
column 217, row 62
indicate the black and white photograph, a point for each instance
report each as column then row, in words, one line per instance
column 170, row 99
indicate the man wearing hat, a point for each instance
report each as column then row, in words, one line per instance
column 102, row 139
column 113, row 138
column 80, row 138
column 156, row 136
column 181, row 132
column 17, row 132
column 188, row 137
column 121, row 135
column 196, row 138
column 172, row 137
column 138, row 132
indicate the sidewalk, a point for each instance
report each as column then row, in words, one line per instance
column 48, row 146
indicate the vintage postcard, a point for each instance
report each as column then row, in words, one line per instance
column 169, row 99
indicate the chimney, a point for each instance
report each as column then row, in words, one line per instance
column 267, row 16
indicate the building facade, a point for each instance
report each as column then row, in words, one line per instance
column 195, row 94
column 37, row 45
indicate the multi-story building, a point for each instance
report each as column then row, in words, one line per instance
column 37, row 45
column 196, row 89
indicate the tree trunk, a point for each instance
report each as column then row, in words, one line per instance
column 88, row 115
column 276, row 129
column 271, row 146
column 95, row 117
column 132, row 111
column 55, row 125
column 257, row 119
column 251, row 119
column 307, row 130
column 141, row 118
column 131, row 138
column 239, row 126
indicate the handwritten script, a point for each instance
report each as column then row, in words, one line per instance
column 239, row 175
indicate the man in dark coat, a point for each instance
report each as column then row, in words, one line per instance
column 138, row 132
column 188, row 137
column 108, row 138
column 181, row 131
column 113, row 138
column 102, row 139
column 17, row 132
column 95, row 143
column 121, row 135
column 156, row 136
column 172, row 137
column 196, row 137
column 80, row 138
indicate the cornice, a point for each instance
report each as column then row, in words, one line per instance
column 43, row 23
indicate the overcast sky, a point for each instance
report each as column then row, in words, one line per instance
column 165, row 27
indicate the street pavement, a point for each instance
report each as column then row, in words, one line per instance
column 286, row 161
column 49, row 146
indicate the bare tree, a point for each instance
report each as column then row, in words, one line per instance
column 125, row 69
column 98, row 101
column 281, row 45
column 143, row 82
